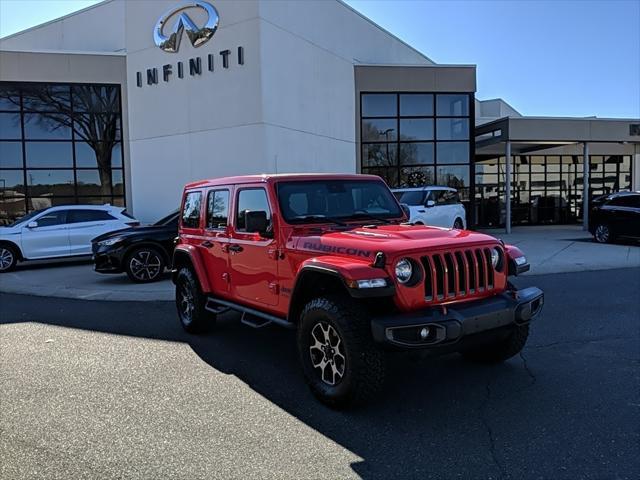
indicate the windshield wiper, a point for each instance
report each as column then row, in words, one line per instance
column 363, row 214
column 321, row 218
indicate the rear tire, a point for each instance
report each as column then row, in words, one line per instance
column 602, row 233
column 341, row 364
column 145, row 265
column 458, row 225
column 190, row 302
column 498, row 352
column 8, row 258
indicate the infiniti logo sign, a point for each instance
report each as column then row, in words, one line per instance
column 197, row 35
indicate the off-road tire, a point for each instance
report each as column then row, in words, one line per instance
column 8, row 258
column 139, row 276
column 364, row 370
column 498, row 352
column 195, row 319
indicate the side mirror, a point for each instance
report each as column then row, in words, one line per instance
column 32, row 225
column 256, row 222
column 406, row 209
column 430, row 203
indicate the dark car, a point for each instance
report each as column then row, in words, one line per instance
column 142, row 252
column 615, row 215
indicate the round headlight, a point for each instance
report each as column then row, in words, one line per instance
column 496, row 256
column 404, row 270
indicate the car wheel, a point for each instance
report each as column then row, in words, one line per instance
column 190, row 302
column 144, row 265
column 8, row 258
column 458, row 225
column 504, row 349
column 602, row 234
column 341, row 364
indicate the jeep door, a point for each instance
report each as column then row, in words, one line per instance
column 215, row 242
column 252, row 256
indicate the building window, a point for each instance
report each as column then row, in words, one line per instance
column 59, row 144
column 414, row 139
column 545, row 189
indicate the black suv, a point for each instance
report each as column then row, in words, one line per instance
column 615, row 215
column 142, row 252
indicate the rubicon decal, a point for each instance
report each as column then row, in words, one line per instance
column 318, row 247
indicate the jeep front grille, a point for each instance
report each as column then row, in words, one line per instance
column 456, row 274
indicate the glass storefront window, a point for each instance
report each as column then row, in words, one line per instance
column 49, row 126
column 416, row 105
column 10, row 128
column 379, row 130
column 70, row 137
column 452, row 105
column 46, row 98
column 452, row 129
column 11, row 182
column 49, row 154
column 379, row 155
column 379, row 105
column 456, row 176
column 87, row 154
column 416, row 129
column 417, row 176
column 416, row 153
column 453, row 152
column 407, row 145
column 389, row 175
column 11, row 155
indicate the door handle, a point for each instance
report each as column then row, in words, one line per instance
column 235, row 248
column 421, row 211
column 207, row 244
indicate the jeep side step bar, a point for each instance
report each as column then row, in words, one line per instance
column 216, row 305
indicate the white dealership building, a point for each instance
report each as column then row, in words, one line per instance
column 126, row 101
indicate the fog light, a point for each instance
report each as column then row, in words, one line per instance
column 424, row 333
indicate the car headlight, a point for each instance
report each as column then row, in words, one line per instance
column 497, row 259
column 109, row 242
column 404, row 270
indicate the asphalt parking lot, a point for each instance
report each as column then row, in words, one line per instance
column 95, row 389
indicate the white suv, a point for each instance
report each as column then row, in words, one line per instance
column 62, row 231
column 435, row 206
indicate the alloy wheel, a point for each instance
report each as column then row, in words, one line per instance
column 186, row 302
column 327, row 353
column 6, row 259
column 602, row 233
column 145, row 265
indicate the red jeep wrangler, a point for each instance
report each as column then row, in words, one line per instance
column 331, row 256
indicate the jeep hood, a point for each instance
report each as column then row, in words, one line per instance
column 390, row 239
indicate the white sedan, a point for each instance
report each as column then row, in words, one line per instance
column 56, row 232
column 435, row 206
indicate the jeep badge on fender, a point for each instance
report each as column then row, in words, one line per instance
column 333, row 257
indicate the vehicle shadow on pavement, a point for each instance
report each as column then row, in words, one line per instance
column 558, row 409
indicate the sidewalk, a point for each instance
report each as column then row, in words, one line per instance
column 563, row 248
column 552, row 249
column 76, row 279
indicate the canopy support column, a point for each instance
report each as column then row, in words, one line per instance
column 585, row 186
column 507, row 190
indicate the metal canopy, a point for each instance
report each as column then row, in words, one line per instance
column 510, row 136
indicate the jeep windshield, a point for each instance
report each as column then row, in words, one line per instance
column 335, row 201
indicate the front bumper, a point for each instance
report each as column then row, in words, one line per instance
column 449, row 326
column 107, row 260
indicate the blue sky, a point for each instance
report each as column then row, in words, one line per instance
column 545, row 57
